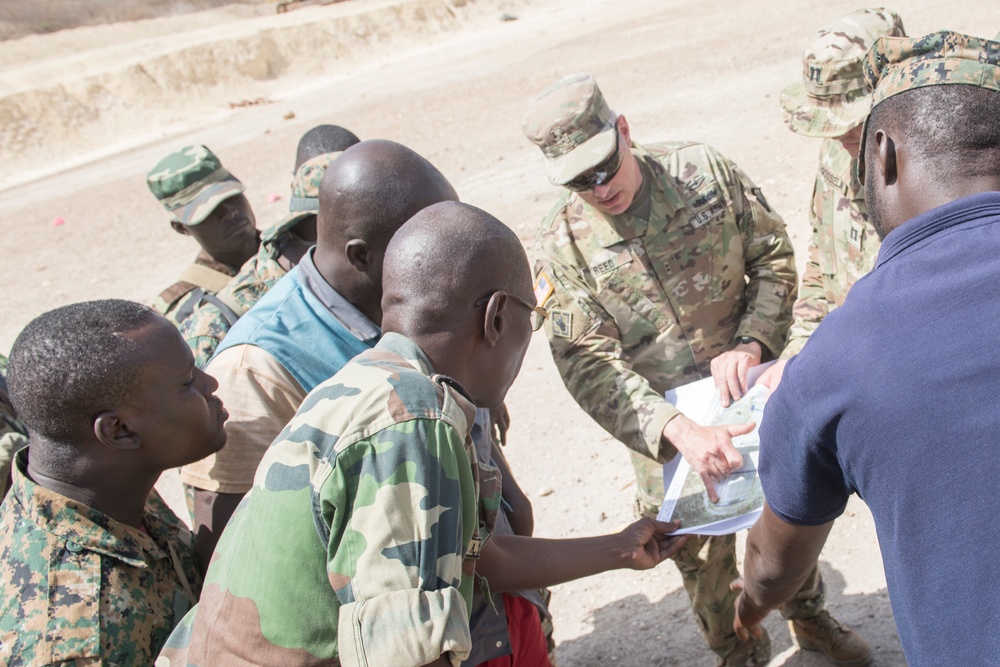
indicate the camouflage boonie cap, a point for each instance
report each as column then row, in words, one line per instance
column 573, row 125
column 305, row 184
column 832, row 98
column 191, row 183
column 897, row 64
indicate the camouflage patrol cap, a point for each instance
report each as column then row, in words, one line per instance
column 573, row 125
column 305, row 185
column 897, row 64
column 305, row 195
column 191, row 183
column 832, row 98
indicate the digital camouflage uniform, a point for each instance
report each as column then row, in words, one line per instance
column 79, row 588
column 844, row 244
column 638, row 307
column 830, row 101
column 190, row 184
column 204, row 275
column 368, row 504
column 216, row 314
column 13, row 435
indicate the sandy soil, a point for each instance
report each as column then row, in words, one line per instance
column 451, row 82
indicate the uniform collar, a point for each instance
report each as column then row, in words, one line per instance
column 84, row 528
column 342, row 310
column 665, row 201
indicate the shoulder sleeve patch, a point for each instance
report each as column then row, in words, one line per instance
column 562, row 323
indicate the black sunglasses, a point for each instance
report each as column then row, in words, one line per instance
column 600, row 174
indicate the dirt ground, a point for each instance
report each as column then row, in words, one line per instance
column 77, row 135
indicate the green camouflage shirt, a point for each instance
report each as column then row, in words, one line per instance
column 208, row 324
column 77, row 587
column 13, row 435
column 843, row 248
column 639, row 306
column 178, row 301
column 368, row 504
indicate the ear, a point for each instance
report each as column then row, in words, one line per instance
column 115, row 433
column 623, row 129
column 885, row 157
column 358, row 254
column 180, row 227
column 494, row 321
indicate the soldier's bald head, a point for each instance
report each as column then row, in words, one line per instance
column 372, row 189
column 456, row 282
column 444, row 259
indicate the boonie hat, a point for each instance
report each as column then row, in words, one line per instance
column 191, row 183
column 832, row 97
column 573, row 125
column 895, row 65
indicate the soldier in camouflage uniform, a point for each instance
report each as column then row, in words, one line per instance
column 281, row 247
column 830, row 104
column 94, row 568
column 660, row 265
column 13, row 435
column 374, row 502
column 206, row 202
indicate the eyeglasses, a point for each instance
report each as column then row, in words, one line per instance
column 538, row 314
column 600, row 174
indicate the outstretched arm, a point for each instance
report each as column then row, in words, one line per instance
column 513, row 563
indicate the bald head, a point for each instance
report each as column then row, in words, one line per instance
column 456, row 283
column 442, row 261
column 372, row 189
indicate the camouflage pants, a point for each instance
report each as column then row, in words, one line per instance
column 708, row 565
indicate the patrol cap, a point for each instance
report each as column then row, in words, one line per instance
column 304, row 202
column 305, row 184
column 191, row 183
column 895, row 65
column 573, row 125
column 832, row 97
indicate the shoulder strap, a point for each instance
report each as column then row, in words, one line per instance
column 208, row 279
column 230, row 310
column 188, row 305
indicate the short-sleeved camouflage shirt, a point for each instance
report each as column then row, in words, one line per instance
column 844, row 243
column 368, row 504
column 178, row 301
column 638, row 306
column 77, row 587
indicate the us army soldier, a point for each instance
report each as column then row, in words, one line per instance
column 206, row 202
column 830, row 103
column 659, row 265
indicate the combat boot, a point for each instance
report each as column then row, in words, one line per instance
column 749, row 654
column 841, row 645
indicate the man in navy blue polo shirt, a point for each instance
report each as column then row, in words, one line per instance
column 895, row 395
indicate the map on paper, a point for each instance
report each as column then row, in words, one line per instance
column 740, row 495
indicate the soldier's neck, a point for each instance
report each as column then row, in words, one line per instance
column 120, row 496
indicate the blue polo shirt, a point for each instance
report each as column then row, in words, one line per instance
column 896, row 397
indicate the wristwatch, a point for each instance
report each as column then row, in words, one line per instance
column 746, row 340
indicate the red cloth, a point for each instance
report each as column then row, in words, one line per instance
column 526, row 639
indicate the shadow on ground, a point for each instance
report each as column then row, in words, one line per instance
column 625, row 623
